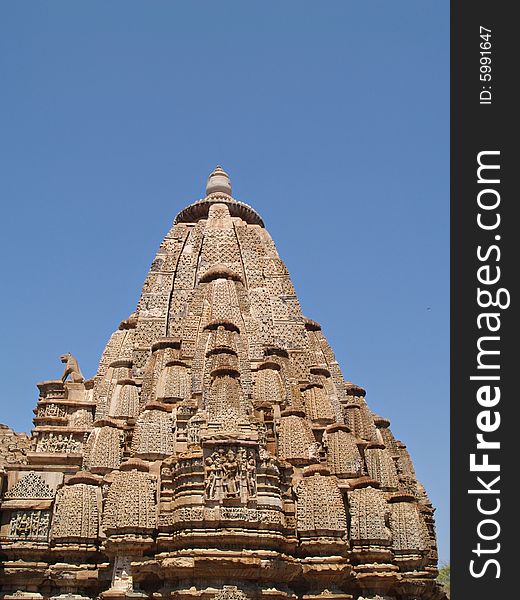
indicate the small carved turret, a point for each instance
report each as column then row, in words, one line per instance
column 218, row 181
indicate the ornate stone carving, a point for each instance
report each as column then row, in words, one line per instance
column 125, row 401
column 381, row 467
column 318, row 405
column 153, row 434
column 296, row 442
column 225, row 400
column 236, row 514
column 104, row 449
column 222, row 337
column 174, row 383
column 343, row 454
column 369, row 517
column 131, row 503
column 269, row 387
column 81, row 418
column 193, row 428
column 409, row 532
column 320, row 505
column 58, row 442
column 359, row 418
column 52, row 410
column 71, row 369
column 13, row 446
column 30, row 486
column 230, row 472
column 76, row 513
column 29, row 525
column 230, row 592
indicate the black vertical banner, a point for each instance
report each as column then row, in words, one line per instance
column 485, row 248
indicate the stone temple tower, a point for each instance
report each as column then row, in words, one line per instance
column 218, row 453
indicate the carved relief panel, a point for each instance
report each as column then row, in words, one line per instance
column 76, row 513
column 369, row 517
column 153, row 434
column 296, row 442
column 230, row 472
column 343, row 454
column 381, row 467
column 58, row 442
column 409, row 531
column 81, row 418
column 318, row 405
column 174, row 382
column 52, row 410
column 104, row 449
column 125, row 401
column 320, row 505
column 30, row 525
column 131, row 502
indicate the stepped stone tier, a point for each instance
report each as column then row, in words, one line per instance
column 218, row 453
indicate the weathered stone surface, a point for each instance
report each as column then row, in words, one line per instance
column 218, row 453
column 13, row 446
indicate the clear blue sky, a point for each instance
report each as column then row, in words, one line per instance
column 332, row 119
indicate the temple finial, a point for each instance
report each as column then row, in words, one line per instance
column 218, row 181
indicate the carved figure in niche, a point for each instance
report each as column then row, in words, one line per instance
column 43, row 444
column 251, row 477
column 51, row 410
column 262, row 434
column 125, row 440
column 22, row 525
column 193, row 429
column 264, row 455
column 192, row 434
column 213, row 476
column 43, row 525
column 268, row 460
column 230, row 472
column 71, row 368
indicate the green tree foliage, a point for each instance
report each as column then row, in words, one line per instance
column 444, row 577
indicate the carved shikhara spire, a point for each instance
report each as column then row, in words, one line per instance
column 218, row 452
